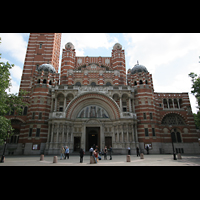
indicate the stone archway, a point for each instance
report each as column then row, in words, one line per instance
column 87, row 99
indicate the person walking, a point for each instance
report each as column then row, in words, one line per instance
column 129, row 151
column 147, row 148
column 137, row 149
column 67, row 152
column 95, row 155
column 105, row 153
column 91, row 150
column 62, row 151
column 110, row 152
column 81, row 155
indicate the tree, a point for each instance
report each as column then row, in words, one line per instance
column 8, row 102
column 196, row 92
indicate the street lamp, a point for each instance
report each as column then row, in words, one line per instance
column 172, row 143
column 2, row 157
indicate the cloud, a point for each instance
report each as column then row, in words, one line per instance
column 82, row 41
column 169, row 57
column 156, row 49
column 14, row 44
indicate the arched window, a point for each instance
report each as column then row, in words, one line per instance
column 175, row 103
column 165, row 103
column 170, row 103
column 135, row 83
column 141, row 82
column 180, row 103
column 93, row 84
column 50, row 82
column 173, row 119
column 78, row 84
column 146, row 82
column 38, row 81
column 44, row 81
column 108, row 84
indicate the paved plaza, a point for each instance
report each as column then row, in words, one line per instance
column 118, row 160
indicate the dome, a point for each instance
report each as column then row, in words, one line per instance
column 138, row 68
column 117, row 46
column 69, row 45
column 46, row 68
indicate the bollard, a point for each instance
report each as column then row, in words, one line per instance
column 141, row 156
column 179, row 156
column 128, row 158
column 92, row 160
column 41, row 157
column 55, row 160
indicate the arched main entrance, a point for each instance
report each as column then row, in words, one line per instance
column 92, row 137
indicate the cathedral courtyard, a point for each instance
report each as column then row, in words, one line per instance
column 118, row 160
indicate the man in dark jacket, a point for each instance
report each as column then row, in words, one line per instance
column 81, row 155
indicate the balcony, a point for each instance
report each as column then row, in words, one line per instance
column 56, row 115
column 128, row 115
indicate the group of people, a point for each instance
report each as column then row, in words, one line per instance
column 94, row 151
column 64, row 152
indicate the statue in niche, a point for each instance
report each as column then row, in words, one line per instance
column 104, row 114
column 93, row 112
column 99, row 112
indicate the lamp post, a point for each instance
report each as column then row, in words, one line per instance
column 2, row 157
column 174, row 154
column 5, row 142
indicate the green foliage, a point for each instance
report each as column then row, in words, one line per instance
column 8, row 102
column 195, row 87
column 197, row 119
column 196, row 92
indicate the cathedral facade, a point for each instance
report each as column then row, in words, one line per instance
column 93, row 100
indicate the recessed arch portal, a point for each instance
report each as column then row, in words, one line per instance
column 95, row 99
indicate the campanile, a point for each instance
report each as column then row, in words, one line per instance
column 42, row 48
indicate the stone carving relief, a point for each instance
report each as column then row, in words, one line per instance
column 93, row 111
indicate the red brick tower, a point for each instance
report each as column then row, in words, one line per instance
column 42, row 48
column 118, row 62
column 68, row 62
column 39, row 74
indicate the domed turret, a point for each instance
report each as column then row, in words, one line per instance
column 138, row 68
column 69, row 45
column 47, row 68
column 117, row 46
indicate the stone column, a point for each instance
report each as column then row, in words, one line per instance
column 173, row 102
column 63, row 130
column 55, row 108
column 52, row 104
column 133, row 132
column 117, row 133
column 122, row 133
column 113, row 128
column 67, row 134
column 52, row 132
column 64, row 103
column 121, row 104
column 130, row 109
column 49, row 129
column 57, row 135
column 127, row 139
column 136, row 136
column 178, row 103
